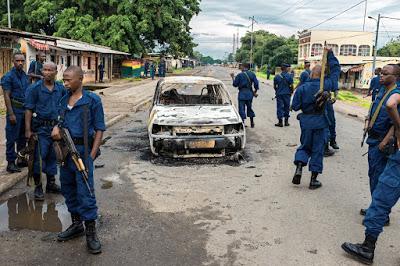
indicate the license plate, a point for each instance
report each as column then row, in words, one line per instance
column 201, row 144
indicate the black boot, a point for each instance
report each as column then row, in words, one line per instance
column 297, row 174
column 51, row 186
column 38, row 193
column 12, row 168
column 314, row 183
column 76, row 229
column 252, row 122
column 362, row 252
column 92, row 241
column 279, row 124
column 328, row 152
column 287, row 122
column 334, row 144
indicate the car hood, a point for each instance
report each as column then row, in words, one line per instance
column 195, row 115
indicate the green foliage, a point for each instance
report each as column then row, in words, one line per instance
column 205, row 59
column 392, row 49
column 268, row 48
column 133, row 26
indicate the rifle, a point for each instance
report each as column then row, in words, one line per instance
column 28, row 154
column 70, row 149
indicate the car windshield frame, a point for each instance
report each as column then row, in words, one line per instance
column 218, row 90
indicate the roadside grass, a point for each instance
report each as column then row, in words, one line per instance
column 134, row 79
column 264, row 75
column 181, row 70
column 350, row 97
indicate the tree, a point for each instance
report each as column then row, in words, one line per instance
column 268, row 48
column 129, row 25
column 392, row 49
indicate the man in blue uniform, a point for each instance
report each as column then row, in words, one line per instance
column 387, row 191
column 101, row 72
column 374, row 85
column 283, row 85
column 81, row 112
column 332, row 123
column 146, row 68
column 245, row 81
column 313, row 122
column 380, row 128
column 268, row 72
column 14, row 84
column 42, row 99
column 305, row 75
column 35, row 68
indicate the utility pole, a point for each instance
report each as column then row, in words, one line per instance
column 251, row 41
column 9, row 13
column 365, row 13
column 237, row 40
column 376, row 43
column 234, row 44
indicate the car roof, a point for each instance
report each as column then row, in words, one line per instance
column 192, row 80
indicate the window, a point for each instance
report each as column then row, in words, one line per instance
column 53, row 58
column 348, row 50
column 316, row 49
column 334, row 47
column 364, row 50
column 79, row 60
column 68, row 60
column 89, row 63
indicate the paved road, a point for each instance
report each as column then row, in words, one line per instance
column 211, row 212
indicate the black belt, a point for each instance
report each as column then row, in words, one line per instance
column 17, row 103
column 80, row 141
column 46, row 123
column 312, row 113
column 375, row 135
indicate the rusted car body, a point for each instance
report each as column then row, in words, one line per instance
column 194, row 117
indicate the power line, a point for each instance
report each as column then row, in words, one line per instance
column 392, row 18
column 329, row 19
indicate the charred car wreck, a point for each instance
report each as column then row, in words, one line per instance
column 194, row 117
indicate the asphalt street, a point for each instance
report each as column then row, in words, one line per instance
column 158, row 211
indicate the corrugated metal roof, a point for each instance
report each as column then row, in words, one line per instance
column 21, row 33
column 64, row 43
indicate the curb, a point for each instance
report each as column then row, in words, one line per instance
column 346, row 113
column 13, row 179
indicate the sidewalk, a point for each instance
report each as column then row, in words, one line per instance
column 120, row 99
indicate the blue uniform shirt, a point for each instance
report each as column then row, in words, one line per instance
column 44, row 102
column 16, row 82
column 73, row 119
column 245, row 86
column 305, row 75
column 383, row 122
column 35, row 68
column 374, row 85
column 304, row 97
column 282, row 82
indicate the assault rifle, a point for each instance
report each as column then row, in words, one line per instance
column 70, row 149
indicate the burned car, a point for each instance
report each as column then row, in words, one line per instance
column 194, row 117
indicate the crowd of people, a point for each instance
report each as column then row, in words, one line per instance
column 314, row 99
column 39, row 107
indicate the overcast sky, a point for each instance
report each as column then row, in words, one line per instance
column 213, row 32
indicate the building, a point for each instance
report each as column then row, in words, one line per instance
column 63, row 52
column 354, row 50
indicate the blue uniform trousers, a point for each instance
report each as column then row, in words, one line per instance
column 49, row 162
column 376, row 163
column 312, row 148
column 283, row 105
column 246, row 109
column 15, row 135
column 332, row 121
column 76, row 194
column 384, row 197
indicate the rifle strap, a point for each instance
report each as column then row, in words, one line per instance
column 248, row 79
column 378, row 109
column 86, row 132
